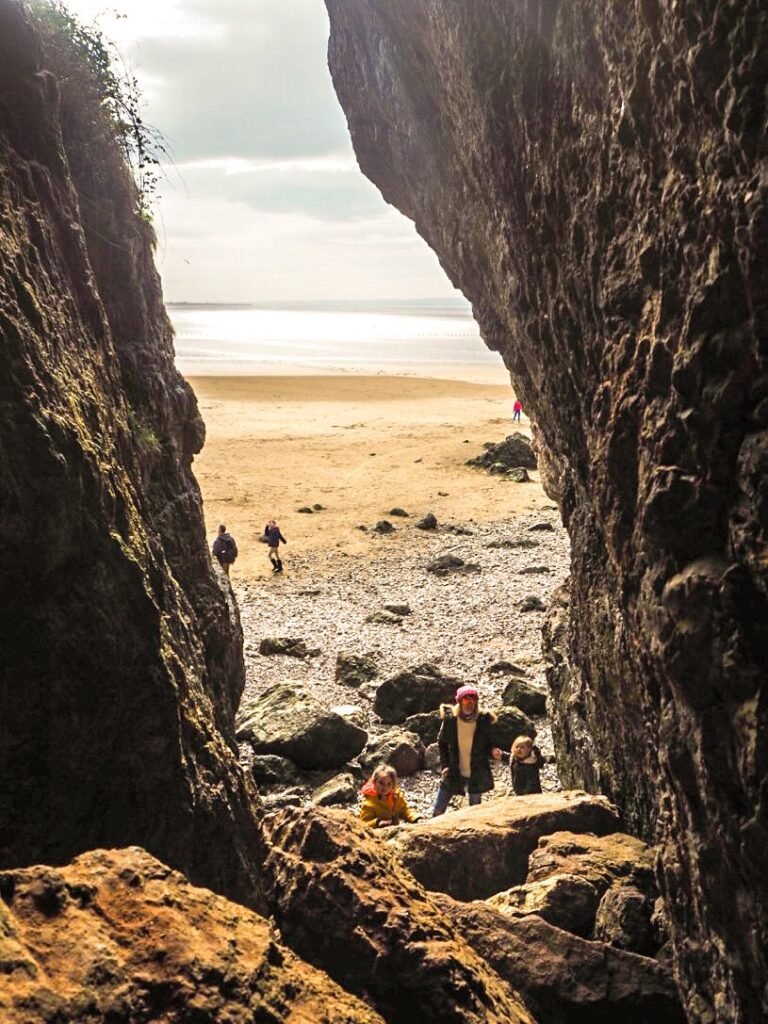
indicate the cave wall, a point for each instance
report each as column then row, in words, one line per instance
column 594, row 178
column 120, row 645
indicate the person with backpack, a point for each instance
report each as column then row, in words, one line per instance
column 273, row 537
column 224, row 549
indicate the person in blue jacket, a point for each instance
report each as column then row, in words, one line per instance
column 273, row 538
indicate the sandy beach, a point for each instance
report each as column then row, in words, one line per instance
column 357, row 445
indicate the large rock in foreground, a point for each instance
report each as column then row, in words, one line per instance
column 342, row 901
column 564, row 979
column 593, row 177
column 288, row 720
column 412, row 692
column 118, row 936
column 478, row 851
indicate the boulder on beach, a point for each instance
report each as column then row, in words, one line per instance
column 419, row 689
column 383, row 526
column 428, row 522
column 272, row 770
column 384, row 618
column 403, row 750
column 426, row 725
column 354, row 669
column 517, row 693
column 566, row 901
column 445, row 565
column 288, row 720
column 340, row 789
column 532, row 603
column 518, row 475
column 510, row 723
column 514, row 451
column 293, row 647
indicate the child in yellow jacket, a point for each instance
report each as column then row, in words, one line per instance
column 383, row 803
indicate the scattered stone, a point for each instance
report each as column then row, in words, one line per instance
column 362, row 527
column 522, row 695
column 426, row 725
column 384, row 618
column 398, row 609
column 305, row 509
column 383, row 526
column 607, row 861
column 352, row 713
column 354, row 669
column 429, row 522
column 505, row 668
column 294, row 797
column 398, row 512
column 531, row 603
column 511, row 723
column 413, row 691
column 309, row 593
column 341, row 789
column 444, row 494
column 518, row 475
column 445, row 565
column 271, row 770
column 460, row 531
column 318, row 508
column 287, row 720
column 542, row 528
column 403, row 750
column 522, row 544
column 535, row 570
column 292, row 647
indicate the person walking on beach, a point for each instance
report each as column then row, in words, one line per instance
column 273, row 538
column 517, row 411
column 465, row 745
column 224, row 549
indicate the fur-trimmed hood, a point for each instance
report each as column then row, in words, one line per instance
column 448, row 710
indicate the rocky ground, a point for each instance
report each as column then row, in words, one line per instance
column 463, row 624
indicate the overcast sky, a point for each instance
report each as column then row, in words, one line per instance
column 265, row 200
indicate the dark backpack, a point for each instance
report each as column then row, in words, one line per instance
column 230, row 551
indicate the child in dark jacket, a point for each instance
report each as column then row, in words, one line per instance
column 525, row 761
column 273, row 537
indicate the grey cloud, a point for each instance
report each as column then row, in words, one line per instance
column 261, row 89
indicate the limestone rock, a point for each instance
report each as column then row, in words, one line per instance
column 416, row 690
column 605, row 860
column 562, row 978
column 624, row 920
column 478, row 851
column 116, row 935
column 271, row 770
column 403, row 750
column 340, row 898
column 287, row 720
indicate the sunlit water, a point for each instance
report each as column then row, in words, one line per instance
column 212, row 340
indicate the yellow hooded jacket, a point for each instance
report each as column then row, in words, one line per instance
column 393, row 808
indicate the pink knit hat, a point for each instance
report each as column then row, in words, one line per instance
column 466, row 691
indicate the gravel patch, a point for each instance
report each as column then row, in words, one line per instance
column 463, row 624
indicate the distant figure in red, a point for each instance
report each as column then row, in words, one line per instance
column 518, row 411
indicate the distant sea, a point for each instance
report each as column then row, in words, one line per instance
column 418, row 337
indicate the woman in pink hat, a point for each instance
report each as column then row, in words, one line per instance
column 465, row 744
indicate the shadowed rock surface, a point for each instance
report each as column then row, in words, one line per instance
column 342, row 901
column 120, row 646
column 593, row 177
column 562, row 978
column 118, row 936
column 477, row 851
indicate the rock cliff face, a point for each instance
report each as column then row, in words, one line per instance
column 594, row 178
column 120, row 647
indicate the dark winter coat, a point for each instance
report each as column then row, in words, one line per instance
column 526, row 778
column 225, row 549
column 273, row 536
column 481, row 779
